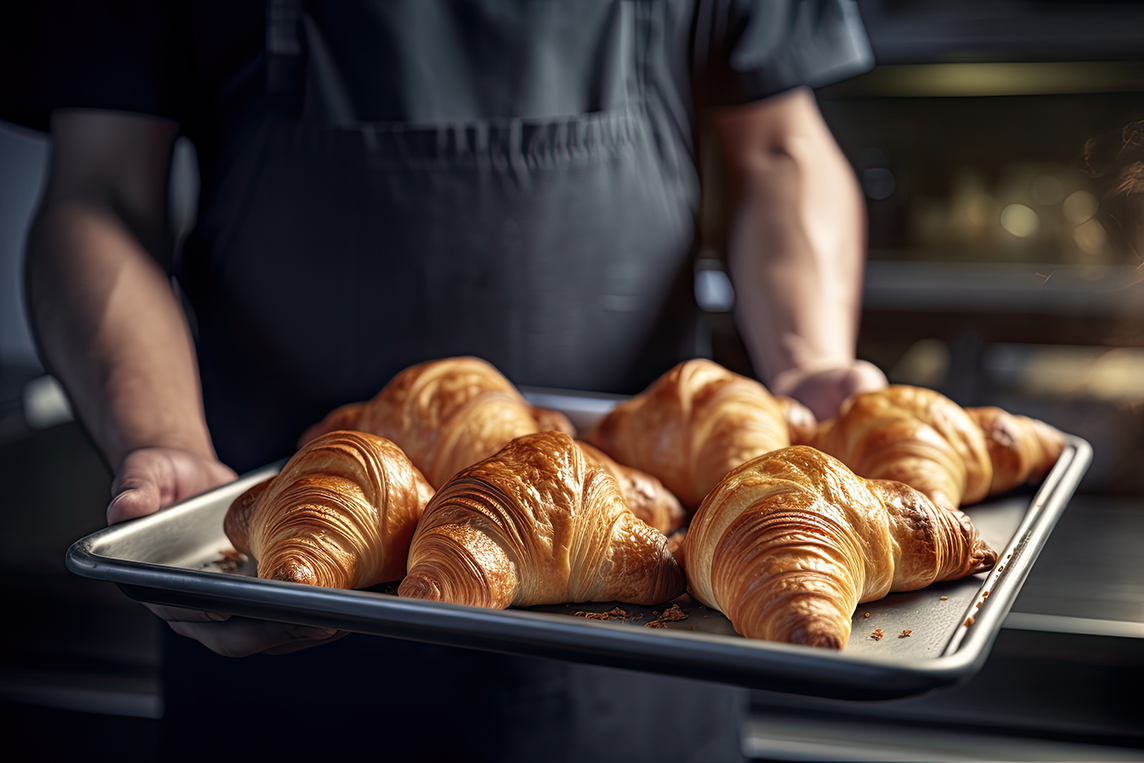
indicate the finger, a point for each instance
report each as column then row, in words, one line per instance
column 134, row 502
column 138, row 487
column 182, row 614
column 241, row 637
column 865, row 377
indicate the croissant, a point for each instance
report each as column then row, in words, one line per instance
column 646, row 496
column 788, row 544
column 340, row 514
column 692, row 426
column 918, row 436
column 446, row 415
column 1021, row 449
column 538, row 523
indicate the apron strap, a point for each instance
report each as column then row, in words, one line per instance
column 284, row 54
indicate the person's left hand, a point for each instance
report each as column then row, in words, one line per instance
column 151, row 478
column 824, row 390
column 243, row 636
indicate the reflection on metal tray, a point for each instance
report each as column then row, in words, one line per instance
column 936, row 637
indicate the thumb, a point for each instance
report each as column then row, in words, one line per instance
column 138, row 500
column 137, row 488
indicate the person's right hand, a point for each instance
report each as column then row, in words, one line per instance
column 152, row 478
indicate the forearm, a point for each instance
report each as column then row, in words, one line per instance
column 110, row 329
column 796, row 246
column 796, row 254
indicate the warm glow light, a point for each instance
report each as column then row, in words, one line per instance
column 924, row 364
column 988, row 79
column 1078, row 372
column 1019, row 220
column 1079, row 206
column 1090, row 237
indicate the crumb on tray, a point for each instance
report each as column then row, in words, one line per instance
column 669, row 615
column 612, row 614
column 229, row 560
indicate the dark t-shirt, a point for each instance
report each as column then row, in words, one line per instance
column 509, row 179
column 202, row 62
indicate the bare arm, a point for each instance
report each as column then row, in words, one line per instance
column 106, row 320
column 796, row 248
column 110, row 329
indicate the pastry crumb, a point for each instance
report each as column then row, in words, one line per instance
column 230, row 560
column 669, row 615
column 612, row 614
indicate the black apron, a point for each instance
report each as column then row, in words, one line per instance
column 518, row 198
column 534, row 214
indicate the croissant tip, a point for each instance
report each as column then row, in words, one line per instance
column 985, row 557
column 294, row 571
column 419, row 587
column 817, row 638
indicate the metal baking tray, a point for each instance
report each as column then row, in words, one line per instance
column 929, row 639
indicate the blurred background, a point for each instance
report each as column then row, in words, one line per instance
column 998, row 274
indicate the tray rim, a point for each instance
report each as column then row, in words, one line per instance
column 764, row 665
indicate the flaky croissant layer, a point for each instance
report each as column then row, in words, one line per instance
column 538, row 523
column 445, row 414
column 788, row 544
column 646, row 496
column 693, row 425
column 340, row 514
column 953, row 455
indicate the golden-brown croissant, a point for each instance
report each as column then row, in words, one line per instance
column 1021, row 449
column 446, row 415
column 790, row 543
column 646, row 496
column 538, row 523
column 692, row 426
column 921, row 437
column 340, row 514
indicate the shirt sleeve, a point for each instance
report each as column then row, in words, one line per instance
column 122, row 55
column 746, row 50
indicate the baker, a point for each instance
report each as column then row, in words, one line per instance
column 385, row 183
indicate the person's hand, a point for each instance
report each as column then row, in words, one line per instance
column 824, row 390
column 151, row 478
column 243, row 636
